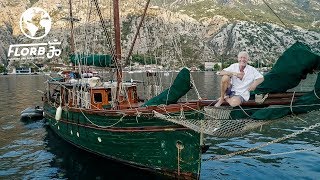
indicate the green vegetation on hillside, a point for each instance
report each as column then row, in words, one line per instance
column 2, row 68
column 260, row 13
column 143, row 59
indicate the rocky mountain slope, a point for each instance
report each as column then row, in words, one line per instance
column 179, row 32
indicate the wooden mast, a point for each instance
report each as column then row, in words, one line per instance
column 71, row 27
column 71, row 32
column 118, row 49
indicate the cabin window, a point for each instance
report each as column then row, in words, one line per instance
column 97, row 97
column 109, row 96
column 66, row 97
column 70, row 97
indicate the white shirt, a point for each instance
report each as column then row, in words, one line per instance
column 240, row 87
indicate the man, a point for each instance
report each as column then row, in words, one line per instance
column 237, row 80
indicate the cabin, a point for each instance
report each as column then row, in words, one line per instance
column 91, row 94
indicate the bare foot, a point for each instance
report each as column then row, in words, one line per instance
column 218, row 104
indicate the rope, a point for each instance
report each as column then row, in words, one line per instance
column 138, row 115
column 314, row 91
column 182, row 116
column 292, row 102
column 169, row 88
column 274, row 13
column 179, row 53
column 275, row 154
column 265, row 144
column 178, row 160
column 195, row 87
column 244, row 111
column 124, row 115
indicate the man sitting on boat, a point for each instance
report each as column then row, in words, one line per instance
column 237, row 80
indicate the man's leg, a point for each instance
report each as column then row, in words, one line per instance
column 225, row 83
column 234, row 101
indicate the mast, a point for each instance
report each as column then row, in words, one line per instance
column 71, row 28
column 118, row 48
column 71, row 33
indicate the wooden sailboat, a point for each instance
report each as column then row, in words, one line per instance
column 161, row 135
column 108, row 119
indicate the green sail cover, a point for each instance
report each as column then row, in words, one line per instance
column 293, row 66
column 179, row 88
column 99, row 60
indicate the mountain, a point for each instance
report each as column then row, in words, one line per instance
column 303, row 13
column 179, row 32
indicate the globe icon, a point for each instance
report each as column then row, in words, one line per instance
column 35, row 23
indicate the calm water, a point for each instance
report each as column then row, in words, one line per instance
column 31, row 151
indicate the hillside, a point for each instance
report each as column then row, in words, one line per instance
column 177, row 32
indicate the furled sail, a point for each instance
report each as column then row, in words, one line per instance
column 293, row 66
column 179, row 88
column 99, row 60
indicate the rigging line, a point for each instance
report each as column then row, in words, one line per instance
column 106, row 32
column 244, row 111
column 138, row 30
column 183, row 63
column 292, row 102
column 314, row 91
column 85, row 29
column 268, row 155
column 274, row 13
column 306, row 129
column 60, row 84
column 171, row 81
column 262, row 30
column 114, row 56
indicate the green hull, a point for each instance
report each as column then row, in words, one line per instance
column 145, row 142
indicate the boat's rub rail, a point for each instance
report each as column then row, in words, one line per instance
column 272, row 99
column 172, row 108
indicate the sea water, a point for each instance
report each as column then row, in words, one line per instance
column 29, row 150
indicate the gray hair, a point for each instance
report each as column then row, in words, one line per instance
column 244, row 53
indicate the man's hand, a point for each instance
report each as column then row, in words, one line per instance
column 240, row 75
column 252, row 87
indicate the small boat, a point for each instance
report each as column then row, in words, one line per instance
column 33, row 113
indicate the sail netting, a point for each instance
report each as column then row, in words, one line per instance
column 98, row 60
column 180, row 86
column 293, row 66
column 217, row 122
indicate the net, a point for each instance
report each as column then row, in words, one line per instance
column 293, row 66
column 213, row 125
